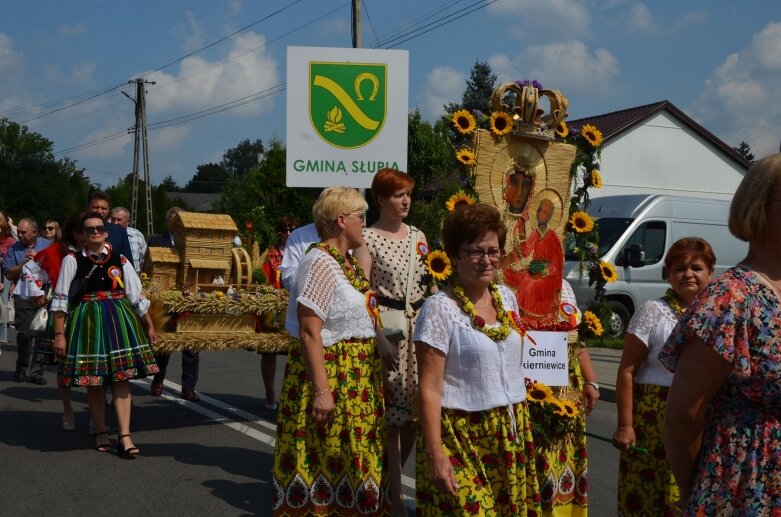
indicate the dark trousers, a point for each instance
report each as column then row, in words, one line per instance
column 190, row 363
column 24, row 311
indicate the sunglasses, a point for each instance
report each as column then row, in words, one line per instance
column 49, row 228
column 93, row 229
column 289, row 229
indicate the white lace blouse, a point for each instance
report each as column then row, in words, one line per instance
column 479, row 373
column 652, row 324
column 320, row 285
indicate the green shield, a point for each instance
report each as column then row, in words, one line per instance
column 347, row 102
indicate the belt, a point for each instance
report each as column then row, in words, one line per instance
column 399, row 305
column 103, row 295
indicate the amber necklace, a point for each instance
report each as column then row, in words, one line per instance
column 496, row 333
column 355, row 276
column 674, row 302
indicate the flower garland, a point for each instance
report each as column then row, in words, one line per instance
column 495, row 333
column 554, row 416
column 674, row 302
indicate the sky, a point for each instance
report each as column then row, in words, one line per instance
column 64, row 65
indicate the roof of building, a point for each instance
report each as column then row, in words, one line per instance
column 617, row 122
column 157, row 254
column 199, row 221
column 209, row 264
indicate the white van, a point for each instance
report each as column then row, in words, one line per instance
column 635, row 232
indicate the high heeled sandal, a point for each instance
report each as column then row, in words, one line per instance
column 103, row 447
column 130, row 452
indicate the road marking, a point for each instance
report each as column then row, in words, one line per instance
column 240, row 413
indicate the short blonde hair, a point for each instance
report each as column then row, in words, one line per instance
column 748, row 211
column 332, row 202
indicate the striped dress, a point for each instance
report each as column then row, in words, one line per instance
column 106, row 341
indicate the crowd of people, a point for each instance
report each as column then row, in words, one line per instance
column 382, row 362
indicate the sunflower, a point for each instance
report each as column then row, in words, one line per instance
column 459, row 199
column 581, row 222
column 562, row 130
column 608, row 272
column 438, row 264
column 596, row 179
column 464, row 122
column 592, row 134
column 570, row 409
column 557, row 407
column 466, row 157
column 593, row 323
column 539, row 392
column 501, row 123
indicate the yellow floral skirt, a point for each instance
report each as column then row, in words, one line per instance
column 336, row 469
column 494, row 469
column 646, row 485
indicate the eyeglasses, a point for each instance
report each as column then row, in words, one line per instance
column 360, row 215
column 477, row 254
column 93, row 229
column 289, row 229
column 49, row 228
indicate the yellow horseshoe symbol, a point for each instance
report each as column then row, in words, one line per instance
column 375, row 85
column 344, row 98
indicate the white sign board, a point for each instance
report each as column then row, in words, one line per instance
column 346, row 115
column 545, row 357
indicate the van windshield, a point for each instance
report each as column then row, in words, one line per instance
column 610, row 230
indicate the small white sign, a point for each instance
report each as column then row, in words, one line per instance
column 346, row 115
column 545, row 357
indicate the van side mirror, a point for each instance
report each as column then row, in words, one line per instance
column 634, row 256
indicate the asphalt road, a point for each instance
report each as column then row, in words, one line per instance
column 209, row 458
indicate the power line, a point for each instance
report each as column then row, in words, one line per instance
column 366, row 8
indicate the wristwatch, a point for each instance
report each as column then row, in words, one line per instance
column 592, row 383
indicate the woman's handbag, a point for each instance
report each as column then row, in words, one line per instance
column 395, row 318
column 41, row 318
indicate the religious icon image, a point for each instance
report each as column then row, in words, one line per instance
column 518, row 187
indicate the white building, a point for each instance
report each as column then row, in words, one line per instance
column 658, row 149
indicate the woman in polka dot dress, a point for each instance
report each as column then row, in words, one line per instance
column 390, row 243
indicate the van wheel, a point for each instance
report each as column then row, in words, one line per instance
column 619, row 320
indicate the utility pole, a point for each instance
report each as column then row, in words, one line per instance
column 141, row 141
column 357, row 37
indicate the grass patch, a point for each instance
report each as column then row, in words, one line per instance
column 606, row 342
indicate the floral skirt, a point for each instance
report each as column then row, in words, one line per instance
column 337, row 469
column 494, row 467
column 645, row 482
column 105, row 344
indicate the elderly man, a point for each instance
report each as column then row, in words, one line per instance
column 21, row 252
column 121, row 217
column 190, row 360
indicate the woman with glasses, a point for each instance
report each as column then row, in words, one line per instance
column 476, row 455
column 105, row 342
column 271, row 263
column 329, row 454
column 394, row 256
column 51, row 230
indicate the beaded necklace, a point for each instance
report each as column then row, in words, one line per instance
column 495, row 333
column 674, row 303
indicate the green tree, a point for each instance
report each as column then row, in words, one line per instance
column 34, row 184
column 242, row 158
column 479, row 87
column 209, row 178
column 744, row 150
column 170, row 185
column 264, row 186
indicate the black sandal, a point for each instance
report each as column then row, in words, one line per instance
column 102, row 447
column 130, row 452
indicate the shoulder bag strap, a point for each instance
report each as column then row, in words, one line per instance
column 413, row 233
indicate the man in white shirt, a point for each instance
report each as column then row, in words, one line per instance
column 121, row 216
column 295, row 249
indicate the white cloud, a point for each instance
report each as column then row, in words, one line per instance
column 740, row 98
column 73, row 30
column 444, row 84
column 640, row 18
column 78, row 74
column 566, row 66
column 171, row 136
column 10, row 58
column 546, row 20
column 336, row 26
column 235, row 7
column 110, row 148
column 191, row 32
column 202, row 84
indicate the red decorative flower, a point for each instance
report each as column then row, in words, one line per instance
column 422, row 249
column 479, row 321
